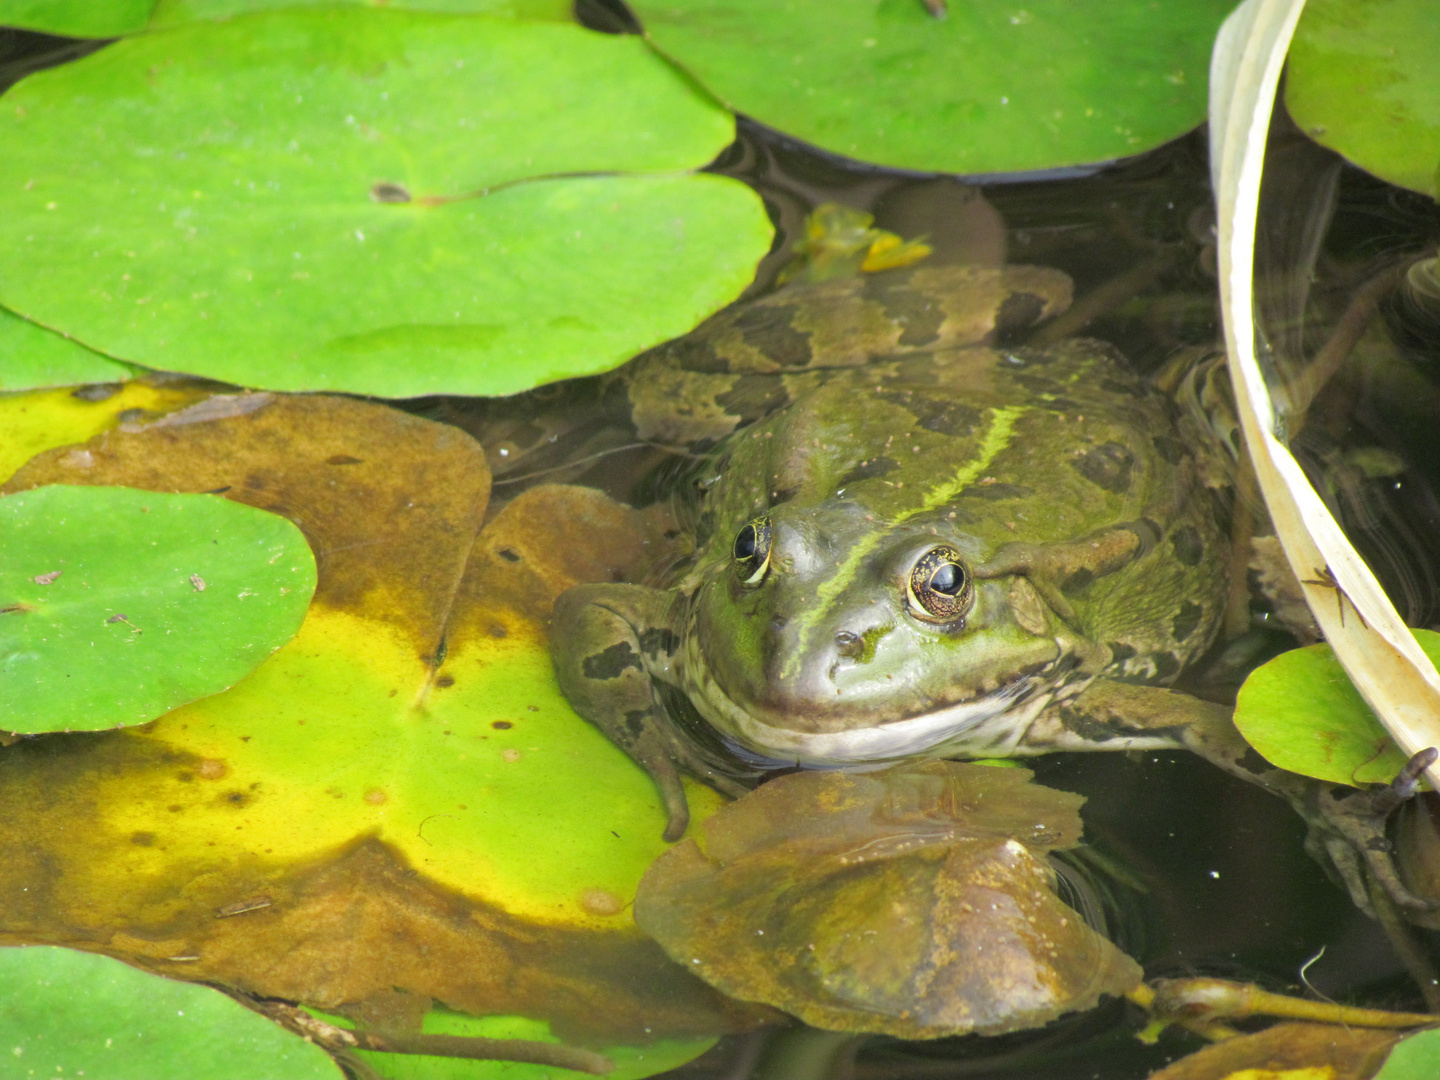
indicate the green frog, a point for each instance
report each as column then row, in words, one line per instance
column 911, row 541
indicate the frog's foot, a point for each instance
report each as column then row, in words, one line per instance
column 1349, row 827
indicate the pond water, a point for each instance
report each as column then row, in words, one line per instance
column 1191, row 871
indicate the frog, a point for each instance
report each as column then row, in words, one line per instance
column 913, row 539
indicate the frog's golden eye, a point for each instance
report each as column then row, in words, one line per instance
column 752, row 551
column 940, row 588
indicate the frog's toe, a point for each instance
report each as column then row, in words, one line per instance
column 679, row 818
column 1357, row 820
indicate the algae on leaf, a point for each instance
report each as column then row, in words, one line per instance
column 989, row 88
column 384, row 202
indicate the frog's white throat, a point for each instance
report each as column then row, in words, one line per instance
column 991, row 726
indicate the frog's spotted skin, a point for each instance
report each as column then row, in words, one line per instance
column 912, row 542
column 1070, row 536
column 864, row 423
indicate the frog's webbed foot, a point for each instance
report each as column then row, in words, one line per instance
column 1349, row 827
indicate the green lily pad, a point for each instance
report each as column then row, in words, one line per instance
column 1413, row 1058
column 117, row 605
column 393, row 203
column 175, row 12
column 990, row 88
column 1302, row 713
column 32, row 356
column 69, row 1013
column 1364, row 80
column 77, row 18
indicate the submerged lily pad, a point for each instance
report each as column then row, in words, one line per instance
column 387, row 202
column 68, row 1013
column 1291, row 1052
column 117, row 605
column 913, row 902
column 32, row 356
column 1363, row 79
column 398, row 806
column 41, row 419
column 1302, row 713
column 77, row 18
column 631, row 1062
column 989, row 88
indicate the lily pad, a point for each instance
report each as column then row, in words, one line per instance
column 1363, row 80
column 117, row 605
column 1413, row 1057
column 69, row 1013
column 990, row 88
column 41, row 419
column 1302, row 713
column 387, row 202
column 32, row 356
column 170, row 13
column 913, row 902
column 399, row 806
column 1290, row 1052
column 77, row 18
column 631, row 1062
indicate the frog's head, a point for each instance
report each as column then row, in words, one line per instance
column 827, row 638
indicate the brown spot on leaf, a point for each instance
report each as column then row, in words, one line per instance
column 601, row 902
column 387, row 191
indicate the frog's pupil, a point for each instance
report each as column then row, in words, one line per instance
column 745, row 543
column 948, row 579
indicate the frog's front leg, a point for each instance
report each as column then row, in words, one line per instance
column 1347, row 826
column 611, row 645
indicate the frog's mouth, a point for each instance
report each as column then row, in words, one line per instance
column 990, row 726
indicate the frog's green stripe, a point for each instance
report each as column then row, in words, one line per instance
column 996, row 439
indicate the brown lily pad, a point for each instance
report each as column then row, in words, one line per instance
column 913, row 901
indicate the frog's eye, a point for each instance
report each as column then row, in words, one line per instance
column 752, row 551
column 939, row 588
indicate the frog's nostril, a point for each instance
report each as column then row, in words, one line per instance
column 849, row 645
